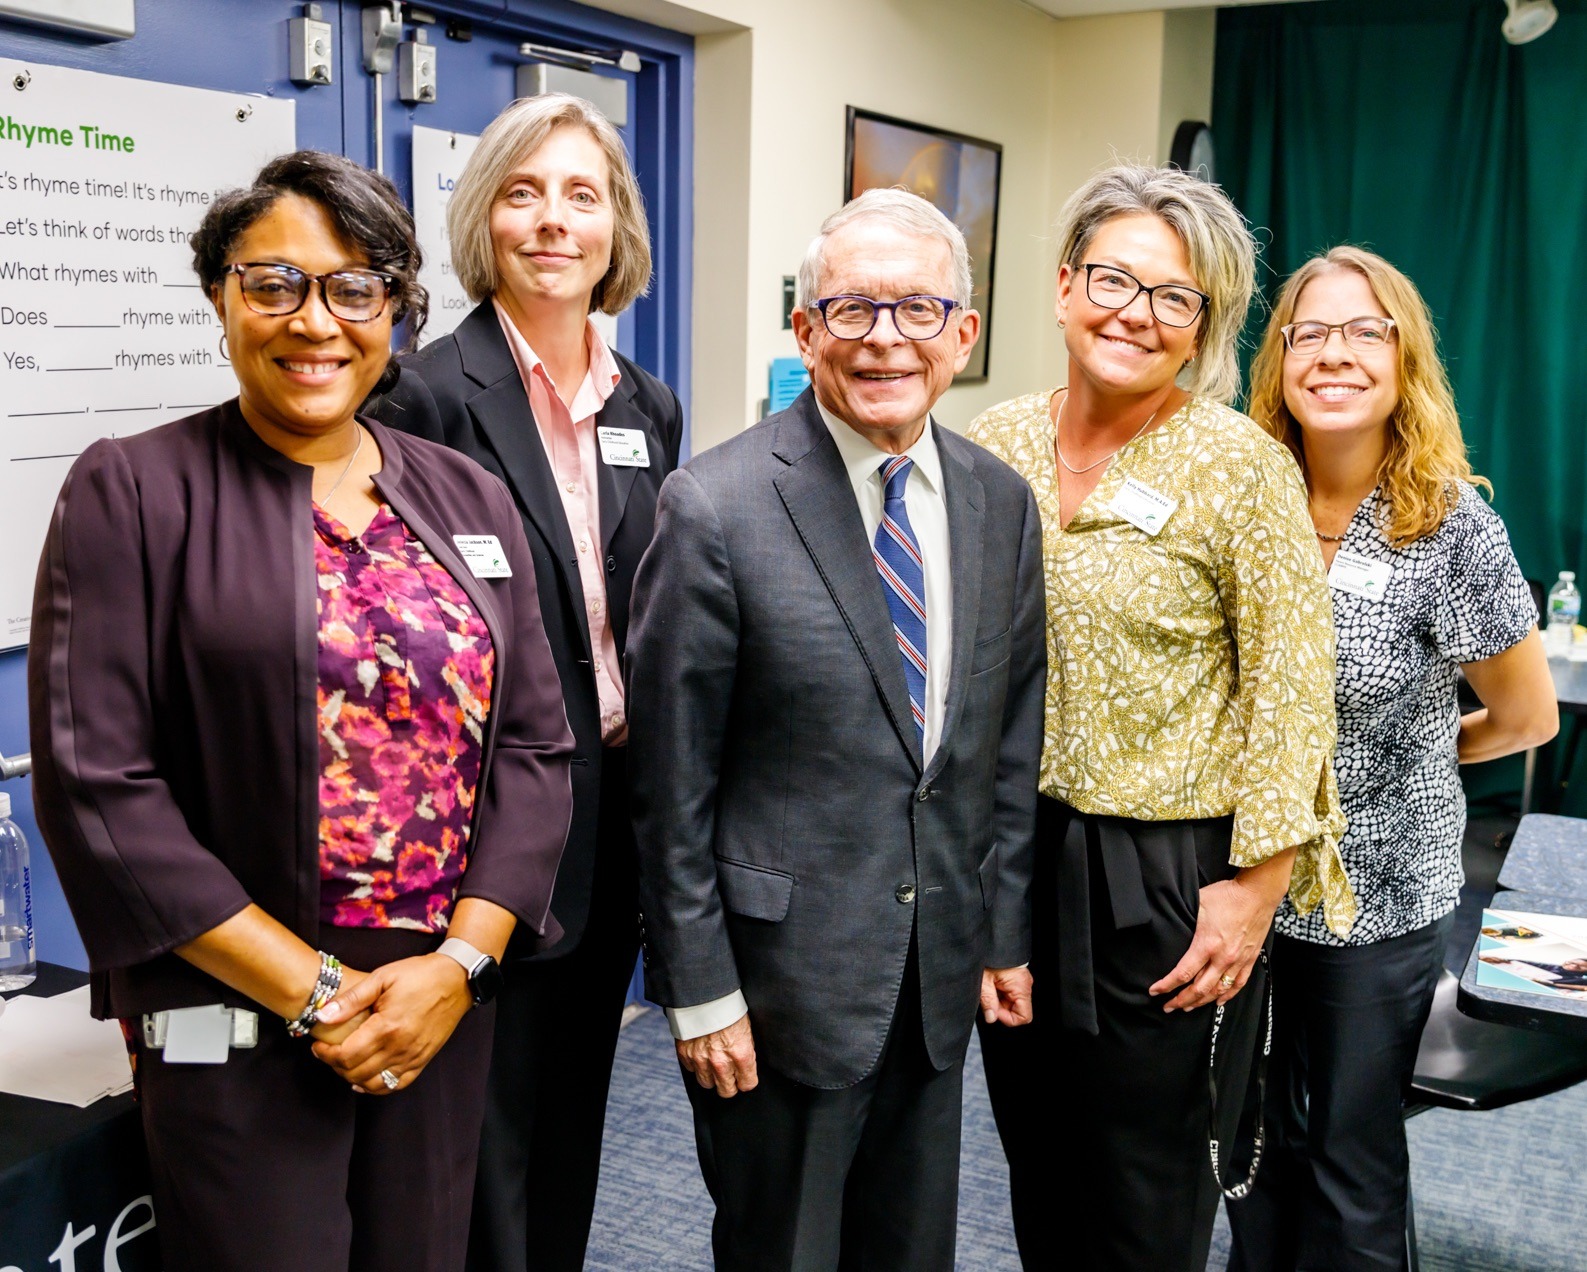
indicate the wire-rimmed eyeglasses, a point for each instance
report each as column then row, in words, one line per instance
column 1365, row 334
column 1173, row 304
column 914, row 317
column 275, row 290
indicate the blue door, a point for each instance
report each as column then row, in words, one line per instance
column 242, row 46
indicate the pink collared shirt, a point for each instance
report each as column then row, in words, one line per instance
column 568, row 434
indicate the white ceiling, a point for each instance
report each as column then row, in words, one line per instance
column 1089, row 8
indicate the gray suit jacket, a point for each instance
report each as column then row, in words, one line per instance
column 789, row 840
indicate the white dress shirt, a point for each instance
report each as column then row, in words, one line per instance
column 928, row 518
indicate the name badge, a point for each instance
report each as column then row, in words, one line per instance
column 623, row 447
column 1142, row 506
column 1360, row 576
column 484, row 555
column 198, row 1035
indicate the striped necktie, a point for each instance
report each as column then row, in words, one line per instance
column 899, row 563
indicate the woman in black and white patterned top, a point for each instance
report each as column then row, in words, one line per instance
column 1424, row 583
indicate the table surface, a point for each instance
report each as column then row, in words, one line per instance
column 1570, row 683
column 35, row 1126
column 1549, row 855
column 1516, row 1006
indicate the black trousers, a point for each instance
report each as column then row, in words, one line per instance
column 1128, row 1108
column 862, row 1179
column 556, row 1036
column 1331, row 1194
column 271, row 1161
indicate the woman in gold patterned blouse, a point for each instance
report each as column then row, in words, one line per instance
column 1186, row 775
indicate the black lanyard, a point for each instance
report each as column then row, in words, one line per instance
column 1242, row 1189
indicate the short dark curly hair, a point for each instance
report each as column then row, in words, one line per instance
column 363, row 206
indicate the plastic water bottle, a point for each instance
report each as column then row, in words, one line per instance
column 1564, row 608
column 18, row 963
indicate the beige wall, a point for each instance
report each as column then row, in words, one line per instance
column 772, row 81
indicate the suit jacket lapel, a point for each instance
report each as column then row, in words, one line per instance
column 815, row 490
column 501, row 409
column 614, row 482
column 965, row 499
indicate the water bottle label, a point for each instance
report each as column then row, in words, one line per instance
column 27, row 905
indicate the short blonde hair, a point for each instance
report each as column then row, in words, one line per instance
column 1221, row 250
column 512, row 136
column 1427, row 454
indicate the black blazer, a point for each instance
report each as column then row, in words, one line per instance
column 464, row 391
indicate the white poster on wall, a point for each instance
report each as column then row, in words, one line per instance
column 103, row 328
column 438, row 159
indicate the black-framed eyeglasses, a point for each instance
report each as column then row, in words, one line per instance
column 1171, row 303
column 914, row 317
column 353, row 295
column 1366, row 334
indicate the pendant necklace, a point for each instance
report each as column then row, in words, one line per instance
column 326, row 497
column 1058, row 428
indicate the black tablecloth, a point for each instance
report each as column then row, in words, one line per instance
column 74, row 1183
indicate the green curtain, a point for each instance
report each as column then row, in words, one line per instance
column 1410, row 127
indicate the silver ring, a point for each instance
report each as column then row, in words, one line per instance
column 389, row 1078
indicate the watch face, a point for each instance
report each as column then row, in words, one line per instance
column 485, row 981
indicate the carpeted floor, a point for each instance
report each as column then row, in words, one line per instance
column 1495, row 1192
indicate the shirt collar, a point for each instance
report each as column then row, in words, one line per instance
column 863, row 459
column 604, row 373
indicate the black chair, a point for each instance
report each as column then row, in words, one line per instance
column 1472, row 1065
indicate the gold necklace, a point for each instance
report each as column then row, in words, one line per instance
column 326, row 497
column 1057, row 446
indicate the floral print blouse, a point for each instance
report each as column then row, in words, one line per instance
column 1190, row 672
column 405, row 666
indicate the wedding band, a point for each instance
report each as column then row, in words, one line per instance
column 389, row 1078
column 1226, row 981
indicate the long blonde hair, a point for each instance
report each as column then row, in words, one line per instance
column 1426, row 454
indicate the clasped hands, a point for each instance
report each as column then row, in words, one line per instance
column 391, row 1020
column 725, row 1059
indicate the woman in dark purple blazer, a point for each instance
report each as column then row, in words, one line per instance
column 302, row 759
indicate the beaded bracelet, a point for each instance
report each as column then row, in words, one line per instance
column 325, row 986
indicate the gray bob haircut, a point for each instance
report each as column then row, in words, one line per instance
column 1216, row 238
column 512, row 137
column 903, row 211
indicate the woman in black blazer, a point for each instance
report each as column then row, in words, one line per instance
column 547, row 226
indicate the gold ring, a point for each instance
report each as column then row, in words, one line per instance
column 1226, row 981
column 390, row 1079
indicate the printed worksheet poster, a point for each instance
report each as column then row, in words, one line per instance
column 103, row 328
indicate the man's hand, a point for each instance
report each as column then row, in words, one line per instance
column 1005, row 995
column 724, row 1059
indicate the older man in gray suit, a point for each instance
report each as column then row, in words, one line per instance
column 837, row 672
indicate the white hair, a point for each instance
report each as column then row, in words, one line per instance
column 902, row 210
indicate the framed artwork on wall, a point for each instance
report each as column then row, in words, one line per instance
column 957, row 173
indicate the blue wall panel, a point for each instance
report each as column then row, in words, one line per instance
column 241, row 46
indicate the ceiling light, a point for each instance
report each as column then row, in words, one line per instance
column 1528, row 19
